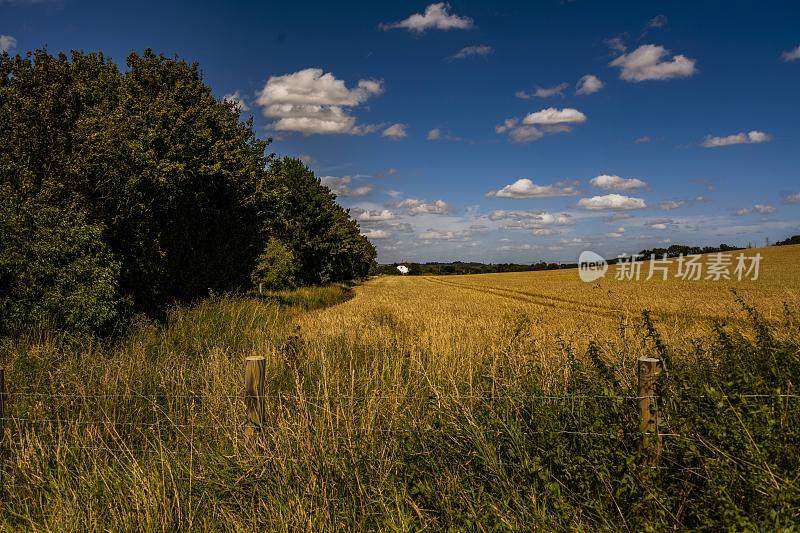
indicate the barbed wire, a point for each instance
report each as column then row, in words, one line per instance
column 384, row 396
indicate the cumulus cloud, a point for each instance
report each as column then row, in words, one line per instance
column 395, row 131
column 534, row 126
column 236, row 99
column 618, row 233
column 791, row 55
column 616, row 183
column 660, row 224
column 552, row 116
column 643, row 139
column 589, row 84
column 471, row 51
column 751, row 137
column 540, row 223
column 7, row 43
column 669, row 205
column 432, row 234
column 375, row 233
column 617, row 43
column 543, row 92
column 651, row 62
column 368, row 215
column 659, row 21
column 436, row 17
column 434, row 134
column 614, row 202
column 311, row 101
column 792, row 198
column 414, row 206
column 525, row 188
column 341, row 186
column 764, row 209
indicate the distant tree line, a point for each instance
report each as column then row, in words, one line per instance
column 459, row 267
column 125, row 191
column 794, row 239
column 681, row 249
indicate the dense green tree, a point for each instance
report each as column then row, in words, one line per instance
column 276, row 268
column 301, row 212
column 172, row 183
column 55, row 270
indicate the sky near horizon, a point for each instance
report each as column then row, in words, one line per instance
column 497, row 131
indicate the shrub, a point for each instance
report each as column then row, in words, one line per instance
column 276, row 268
column 55, row 270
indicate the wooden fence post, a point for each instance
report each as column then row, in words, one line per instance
column 649, row 414
column 2, row 403
column 254, row 371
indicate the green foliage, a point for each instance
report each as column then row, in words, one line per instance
column 180, row 186
column 301, row 212
column 55, row 270
column 276, row 268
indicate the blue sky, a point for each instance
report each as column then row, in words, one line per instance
column 686, row 131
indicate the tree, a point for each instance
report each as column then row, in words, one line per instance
column 276, row 268
column 298, row 210
column 166, row 183
column 55, row 270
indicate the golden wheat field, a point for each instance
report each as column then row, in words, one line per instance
column 460, row 318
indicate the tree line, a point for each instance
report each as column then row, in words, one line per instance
column 124, row 191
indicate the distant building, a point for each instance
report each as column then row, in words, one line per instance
column 403, row 269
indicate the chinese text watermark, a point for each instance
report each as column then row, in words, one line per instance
column 717, row 266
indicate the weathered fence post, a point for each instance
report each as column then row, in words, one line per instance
column 2, row 403
column 649, row 415
column 254, row 370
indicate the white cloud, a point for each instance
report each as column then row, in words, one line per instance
column 534, row 126
column 7, row 43
column 792, row 198
column 435, row 134
column 659, row 21
column 660, row 224
column 312, row 102
column 525, row 188
column 552, row 116
column 617, row 43
column 395, row 131
column 618, row 233
column 540, row 223
column 752, row 137
column 543, row 92
column 340, row 186
column 469, row 51
column 236, row 99
column 413, row 207
column 375, row 233
column 616, row 202
column 669, row 205
column 743, row 211
column 643, row 139
column 432, row 234
column 764, row 209
column 367, row 215
column 791, row 55
column 649, row 62
column 589, row 84
column 436, row 16
column 616, row 183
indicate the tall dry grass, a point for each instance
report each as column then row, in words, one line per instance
column 475, row 402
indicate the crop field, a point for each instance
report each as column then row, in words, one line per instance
column 497, row 401
column 464, row 319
